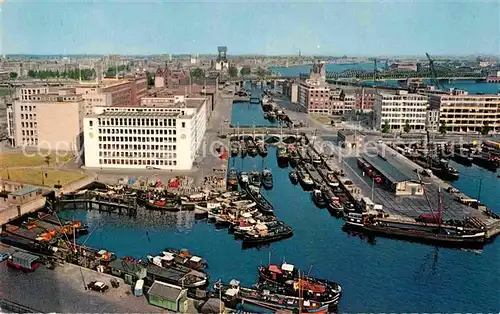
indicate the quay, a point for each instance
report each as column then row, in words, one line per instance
column 103, row 203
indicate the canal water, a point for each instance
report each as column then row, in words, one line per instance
column 377, row 276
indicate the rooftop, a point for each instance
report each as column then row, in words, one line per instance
column 165, row 290
column 385, row 165
column 25, row 190
column 113, row 114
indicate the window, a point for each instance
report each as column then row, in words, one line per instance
column 91, row 123
column 183, row 124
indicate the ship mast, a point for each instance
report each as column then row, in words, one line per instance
column 300, row 295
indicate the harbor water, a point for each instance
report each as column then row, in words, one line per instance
column 380, row 275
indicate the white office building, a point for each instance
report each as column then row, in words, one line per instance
column 400, row 107
column 160, row 133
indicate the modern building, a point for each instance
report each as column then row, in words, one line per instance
column 162, row 133
column 314, row 93
column 398, row 108
column 291, row 91
column 432, row 123
column 42, row 117
column 461, row 112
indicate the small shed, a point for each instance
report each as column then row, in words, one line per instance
column 130, row 272
column 167, row 296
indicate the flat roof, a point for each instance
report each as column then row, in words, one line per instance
column 25, row 190
column 138, row 114
column 165, row 290
column 387, row 169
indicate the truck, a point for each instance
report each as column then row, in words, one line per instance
column 23, row 261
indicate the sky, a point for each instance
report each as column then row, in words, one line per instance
column 356, row 28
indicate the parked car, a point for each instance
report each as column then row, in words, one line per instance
column 98, row 286
column 3, row 256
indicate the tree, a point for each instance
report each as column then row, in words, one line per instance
column 385, row 127
column 151, row 79
column 31, row 73
column 407, row 127
column 486, row 128
column 233, row 71
column 198, row 73
column 261, row 72
column 47, row 160
column 442, row 128
column 13, row 75
column 245, row 71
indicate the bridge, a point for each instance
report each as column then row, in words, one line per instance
column 271, row 134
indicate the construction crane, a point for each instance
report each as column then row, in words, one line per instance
column 434, row 77
column 375, row 63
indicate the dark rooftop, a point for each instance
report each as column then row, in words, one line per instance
column 126, row 266
column 167, row 273
column 165, row 290
column 386, row 167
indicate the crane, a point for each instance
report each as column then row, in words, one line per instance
column 434, row 76
column 375, row 62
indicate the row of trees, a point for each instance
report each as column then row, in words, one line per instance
column 485, row 129
column 86, row 74
column 112, row 70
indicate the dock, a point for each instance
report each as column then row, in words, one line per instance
column 118, row 204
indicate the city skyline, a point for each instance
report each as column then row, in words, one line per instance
column 335, row 28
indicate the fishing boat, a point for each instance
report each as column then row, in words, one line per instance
column 462, row 156
column 293, row 155
column 232, row 179
column 185, row 258
column 263, row 204
column 243, row 149
column 235, row 148
column 287, row 279
column 262, row 235
column 332, row 201
column 160, row 268
column 250, row 224
column 294, row 177
column 317, row 198
column 315, row 159
column 262, row 148
column 252, row 149
column 232, row 294
column 486, row 160
column 304, row 178
column 244, row 179
column 163, row 204
column 267, row 178
column 442, row 169
column 328, row 176
column 282, row 155
column 255, row 179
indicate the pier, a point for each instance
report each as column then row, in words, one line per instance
column 118, row 204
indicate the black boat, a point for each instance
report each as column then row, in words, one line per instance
column 462, row 156
column 293, row 156
column 262, row 148
column 232, row 179
column 285, row 279
column 304, row 178
column 318, row 199
column 255, row 179
column 252, row 149
column 267, row 178
column 243, row 149
column 486, row 160
column 332, row 201
column 294, row 178
column 243, row 179
column 442, row 169
column 257, row 237
column 282, row 155
column 263, row 204
column 235, row 148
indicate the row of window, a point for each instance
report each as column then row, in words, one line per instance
column 135, row 122
column 29, row 125
column 29, row 133
column 138, row 131
column 136, row 147
column 138, row 139
column 28, row 116
column 139, row 162
column 30, row 141
column 138, row 155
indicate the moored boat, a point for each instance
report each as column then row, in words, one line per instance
column 232, row 179
column 235, row 148
column 294, row 178
column 255, row 179
column 267, row 178
column 304, row 178
column 332, row 201
column 282, row 155
column 318, row 199
column 243, row 178
column 262, row 148
column 243, row 149
column 262, row 234
column 252, row 149
column 293, row 155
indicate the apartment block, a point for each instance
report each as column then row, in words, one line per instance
column 462, row 113
column 160, row 133
column 399, row 108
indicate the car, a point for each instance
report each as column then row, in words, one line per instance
column 4, row 256
column 98, row 286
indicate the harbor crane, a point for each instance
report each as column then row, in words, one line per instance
column 375, row 63
column 434, row 76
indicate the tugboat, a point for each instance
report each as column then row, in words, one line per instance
column 462, row 156
column 232, row 180
column 267, row 178
column 252, row 149
column 333, row 203
column 255, row 179
column 442, row 169
column 243, row 149
column 262, row 148
column 305, row 179
column 318, row 199
column 293, row 156
column 294, row 178
column 243, row 179
column 235, row 148
column 282, row 156
column 286, row 278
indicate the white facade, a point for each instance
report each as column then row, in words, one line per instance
column 400, row 108
column 162, row 133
